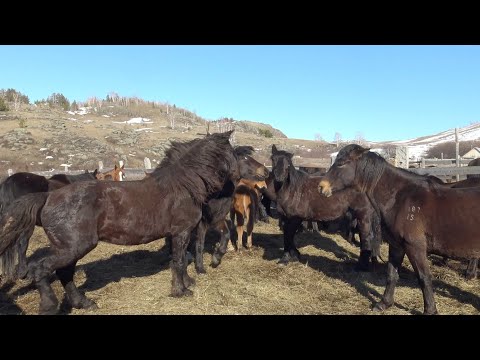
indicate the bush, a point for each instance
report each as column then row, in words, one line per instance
column 265, row 132
column 3, row 105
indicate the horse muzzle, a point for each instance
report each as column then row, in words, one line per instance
column 325, row 188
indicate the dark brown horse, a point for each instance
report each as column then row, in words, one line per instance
column 298, row 199
column 217, row 207
column 471, row 272
column 22, row 183
column 420, row 216
column 76, row 217
column 474, row 162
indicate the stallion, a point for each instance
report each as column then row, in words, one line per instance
column 419, row 217
column 75, row 218
column 297, row 199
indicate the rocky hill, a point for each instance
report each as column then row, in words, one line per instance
column 43, row 138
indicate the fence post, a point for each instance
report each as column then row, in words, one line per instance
column 120, row 163
column 457, row 152
column 147, row 163
column 423, row 163
column 100, row 165
column 10, row 172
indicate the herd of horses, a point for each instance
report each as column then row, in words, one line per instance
column 200, row 182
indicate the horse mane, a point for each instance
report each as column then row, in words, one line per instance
column 196, row 168
column 295, row 177
column 371, row 166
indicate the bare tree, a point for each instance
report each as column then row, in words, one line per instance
column 16, row 100
column 359, row 138
column 171, row 117
column 337, row 138
column 318, row 137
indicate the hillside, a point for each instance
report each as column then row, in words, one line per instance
column 42, row 138
column 420, row 145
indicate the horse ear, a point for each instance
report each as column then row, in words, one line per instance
column 116, row 167
column 358, row 152
column 274, row 149
column 95, row 172
column 123, row 167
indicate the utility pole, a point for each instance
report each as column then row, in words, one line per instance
column 457, row 152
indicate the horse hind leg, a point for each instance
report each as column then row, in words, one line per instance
column 180, row 278
column 74, row 296
column 395, row 259
column 41, row 268
column 418, row 259
column 250, row 222
column 240, row 223
column 221, row 249
column 471, row 272
column 199, row 246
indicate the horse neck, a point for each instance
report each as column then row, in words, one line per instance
column 388, row 184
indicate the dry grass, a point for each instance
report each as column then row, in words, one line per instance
column 136, row 280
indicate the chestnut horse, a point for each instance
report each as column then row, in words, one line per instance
column 421, row 217
column 116, row 174
column 245, row 206
column 76, row 217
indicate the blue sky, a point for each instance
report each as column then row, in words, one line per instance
column 381, row 92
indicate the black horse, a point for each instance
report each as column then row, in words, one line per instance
column 75, row 218
column 420, row 216
column 218, row 205
column 297, row 198
column 23, row 183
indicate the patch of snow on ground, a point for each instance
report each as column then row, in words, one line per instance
column 138, row 120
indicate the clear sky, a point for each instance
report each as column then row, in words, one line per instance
column 381, row 92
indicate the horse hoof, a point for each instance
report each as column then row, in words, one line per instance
column 89, row 305
column 52, row 311
column 434, row 312
column 188, row 281
column 470, row 276
column 361, row 267
column 181, row 293
column 215, row 262
column 380, row 306
column 284, row 260
column 201, row 271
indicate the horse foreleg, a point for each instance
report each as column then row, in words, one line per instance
column 290, row 252
column 76, row 298
column 240, row 223
column 395, row 259
column 222, row 246
column 180, row 278
column 199, row 246
column 471, row 272
column 58, row 258
column 250, row 222
column 418, row 259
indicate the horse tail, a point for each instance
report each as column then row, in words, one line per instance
column 377, row 234
column 18, row 222
column 254, row 206
column 6, row 196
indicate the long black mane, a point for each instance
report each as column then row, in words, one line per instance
column 371, row 166
column 196, row 168
column 19, row 184
column 295, row 177
column 68, row 179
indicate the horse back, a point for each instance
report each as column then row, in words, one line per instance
column 444, row 217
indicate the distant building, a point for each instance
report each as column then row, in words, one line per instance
column 472, row 154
